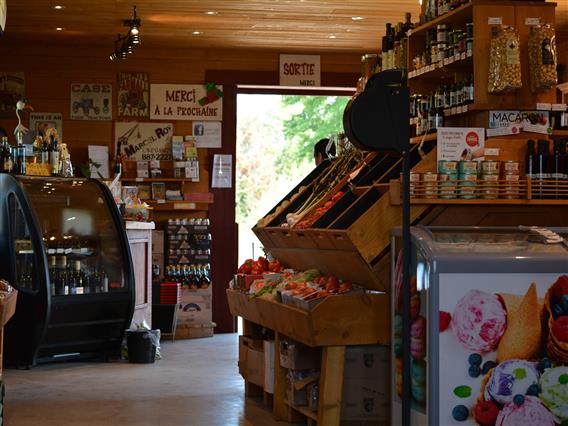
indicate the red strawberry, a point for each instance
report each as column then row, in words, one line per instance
column 445, row 319
column 485, row 413
column 560, row 328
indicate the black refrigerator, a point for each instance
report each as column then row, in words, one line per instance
column 64, row 247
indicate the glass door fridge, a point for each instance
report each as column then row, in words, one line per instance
column 489, row 330
column 65, row 249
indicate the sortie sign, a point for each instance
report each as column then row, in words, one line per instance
column 300, row 70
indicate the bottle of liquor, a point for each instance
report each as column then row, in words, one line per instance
column 6, row 159
column 44, row 151
column 542, row 168
column 63, row 276
column 207, row 274
column 20, row 159
column 54, row 156
column 77, row 279
column 52, row 268
column 558, row 166
column 104, row 281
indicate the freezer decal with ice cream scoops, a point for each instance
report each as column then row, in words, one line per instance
column 503, row 349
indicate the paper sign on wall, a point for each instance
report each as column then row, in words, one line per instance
column 222, row 171
column 144, row 141
column 41, row 121
column 133, row 95
column 300, row 70
column 207, row 134
column 186, row 102
column 91, row 101
column 458, row 143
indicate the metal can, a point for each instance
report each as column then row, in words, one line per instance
column 489, row 167
column 430, row 185
column 447, row 167
column 511, row 186
column 467, row 185
column 509, row 167
column 489, row 186
column 467, row 167
column 414, row 182
column 447, row 184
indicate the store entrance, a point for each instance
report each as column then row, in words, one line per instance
column 274, row 150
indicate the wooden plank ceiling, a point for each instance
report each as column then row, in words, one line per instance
column 282, row 25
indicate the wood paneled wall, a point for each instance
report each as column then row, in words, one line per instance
column 49, row 71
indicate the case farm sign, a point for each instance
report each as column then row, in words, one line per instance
column 186, row 102
column 300, row 70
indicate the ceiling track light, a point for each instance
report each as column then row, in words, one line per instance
column 124, row 45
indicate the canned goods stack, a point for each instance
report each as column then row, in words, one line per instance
column 489, row 185
column 448, row 178
column 467, row 177
column 510, row 178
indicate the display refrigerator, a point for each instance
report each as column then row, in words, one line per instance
column 65, row 250
column 489, row 326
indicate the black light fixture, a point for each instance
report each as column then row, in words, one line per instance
column 124, row 45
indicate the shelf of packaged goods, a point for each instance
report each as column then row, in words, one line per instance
column 445, row 68
column 358, row 319
column 499, row 192
column 176, row 205
column 464, row 14
column 139, row 180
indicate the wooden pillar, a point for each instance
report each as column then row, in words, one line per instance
column 331, row 385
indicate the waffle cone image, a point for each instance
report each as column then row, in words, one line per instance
column 523, row 337
column 483, row 385
column 557, row 349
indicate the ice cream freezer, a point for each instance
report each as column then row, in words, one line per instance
column 489, row 327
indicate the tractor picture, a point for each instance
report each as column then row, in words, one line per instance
column 86, row 104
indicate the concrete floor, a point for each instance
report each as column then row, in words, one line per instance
column 196, row 383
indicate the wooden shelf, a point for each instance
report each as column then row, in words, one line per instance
column 426, row 138
column 464, row 13
column 358, row 319
column 303, row 410
column 177, row 205
column 560, row 133
column 141, row 180
column 478, row 201
column 441, row 71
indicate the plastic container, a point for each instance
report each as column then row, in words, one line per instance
column 141, row 349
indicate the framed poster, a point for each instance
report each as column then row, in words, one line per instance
column 41, row 121
column 143, row 141
column 12, row 89
column 186, row 102
column 133, row 95
column 91, row 101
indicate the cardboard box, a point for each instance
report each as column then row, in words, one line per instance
column 367, row 362
column 158, row 242
column 186, row 331
column 255, row 367
column 269, row 366
column 296, row 356
column 195, row 307
column 365, row 400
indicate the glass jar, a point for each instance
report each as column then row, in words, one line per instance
column 442, row 33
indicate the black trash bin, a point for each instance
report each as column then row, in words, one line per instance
column 141, row 350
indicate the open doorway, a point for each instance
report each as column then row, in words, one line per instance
column 275, row 138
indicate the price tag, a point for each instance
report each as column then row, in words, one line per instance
column 139, row 179
column 469, row 53
column 495, row 20
column 532, row 21
column 161, row 201
column 543, row 106
column 558, row 107
column 491, row 152
column 462, row 56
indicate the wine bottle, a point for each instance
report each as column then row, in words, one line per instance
column 6, row 159
column 52, row 268
column 63, row 276
column 54, row 156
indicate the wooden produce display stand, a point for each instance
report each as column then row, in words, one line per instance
column 7, row 310
column 335, row 323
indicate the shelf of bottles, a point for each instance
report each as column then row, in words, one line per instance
column 188, row 253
